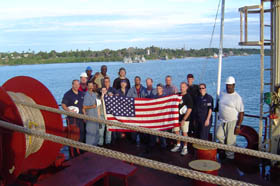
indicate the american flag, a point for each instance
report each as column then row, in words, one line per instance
column 158, row 114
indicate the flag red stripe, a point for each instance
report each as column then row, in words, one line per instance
column 146, row 99
column 127, row 130
column 143, row 121
column 157, row 114
column 157, row 103
column 157, row 108
column 160, row 126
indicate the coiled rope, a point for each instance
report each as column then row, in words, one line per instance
column 126, row 157
column 33, row 119
column 250, row 152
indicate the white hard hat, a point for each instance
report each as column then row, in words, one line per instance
column 230, row 80
column 75, row 109
column 83, row 74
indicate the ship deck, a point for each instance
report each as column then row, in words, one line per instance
column 261, row 174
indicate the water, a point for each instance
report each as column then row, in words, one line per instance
column 245, row 69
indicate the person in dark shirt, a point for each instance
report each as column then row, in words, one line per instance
column 117, row 81
column 151, row 92
column 203, row 112
column 185, row 109
column 89, row 73
column 123, row 90
column 138, row 90
column 193, row 91
column 73, row 102
column 109, row 90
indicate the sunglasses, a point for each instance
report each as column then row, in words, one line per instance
column 201, row 88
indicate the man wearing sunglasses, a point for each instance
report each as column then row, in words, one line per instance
column 203, row 112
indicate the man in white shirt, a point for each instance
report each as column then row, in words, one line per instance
column 231, row 113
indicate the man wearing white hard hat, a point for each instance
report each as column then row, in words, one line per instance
column 83, row 82
column 231, row 113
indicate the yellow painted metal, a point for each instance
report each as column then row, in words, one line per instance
column 261, row 74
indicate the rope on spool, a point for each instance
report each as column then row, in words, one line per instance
column 33, row 119
column 126, row 157
column 158, row 133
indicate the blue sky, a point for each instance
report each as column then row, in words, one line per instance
column 82, row 24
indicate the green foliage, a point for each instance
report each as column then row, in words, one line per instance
column 105, row 55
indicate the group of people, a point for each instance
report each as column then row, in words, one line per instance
column 195, row 108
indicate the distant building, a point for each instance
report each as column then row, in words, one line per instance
column 148, row 52
column 25, row 55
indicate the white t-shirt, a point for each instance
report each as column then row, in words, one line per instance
column 229, row 106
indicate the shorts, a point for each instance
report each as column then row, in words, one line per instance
column 184, row 128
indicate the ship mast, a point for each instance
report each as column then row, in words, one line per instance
column 220, row 63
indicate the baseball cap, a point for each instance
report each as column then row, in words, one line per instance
column 190, row 76
column 88, row 68
column 230, row 80
column 83, row 74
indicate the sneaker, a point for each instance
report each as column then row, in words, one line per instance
column 175, row 148
column 184, row 151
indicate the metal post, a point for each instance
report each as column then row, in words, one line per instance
column 220, row 63
column 276, row 46
column 271, row 72
column 275, row 129
column 246, row 24
column 241, row 25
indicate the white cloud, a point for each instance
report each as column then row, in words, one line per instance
column 158, row 39
column 38, row 29
column 122, row 24
column 188, row 1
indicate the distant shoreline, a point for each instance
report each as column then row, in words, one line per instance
column 150, row 53
column 3, row 65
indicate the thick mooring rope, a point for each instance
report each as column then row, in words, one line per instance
column 169, row 135
column 33, row 119
column 126, row 157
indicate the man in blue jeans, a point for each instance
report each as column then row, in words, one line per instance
column 89, row 108
column 137, row 91
column 152, row 142
column 110, row 91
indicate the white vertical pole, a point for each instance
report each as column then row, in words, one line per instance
column 220, row 63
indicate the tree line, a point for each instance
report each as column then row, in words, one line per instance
column 150, row 53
